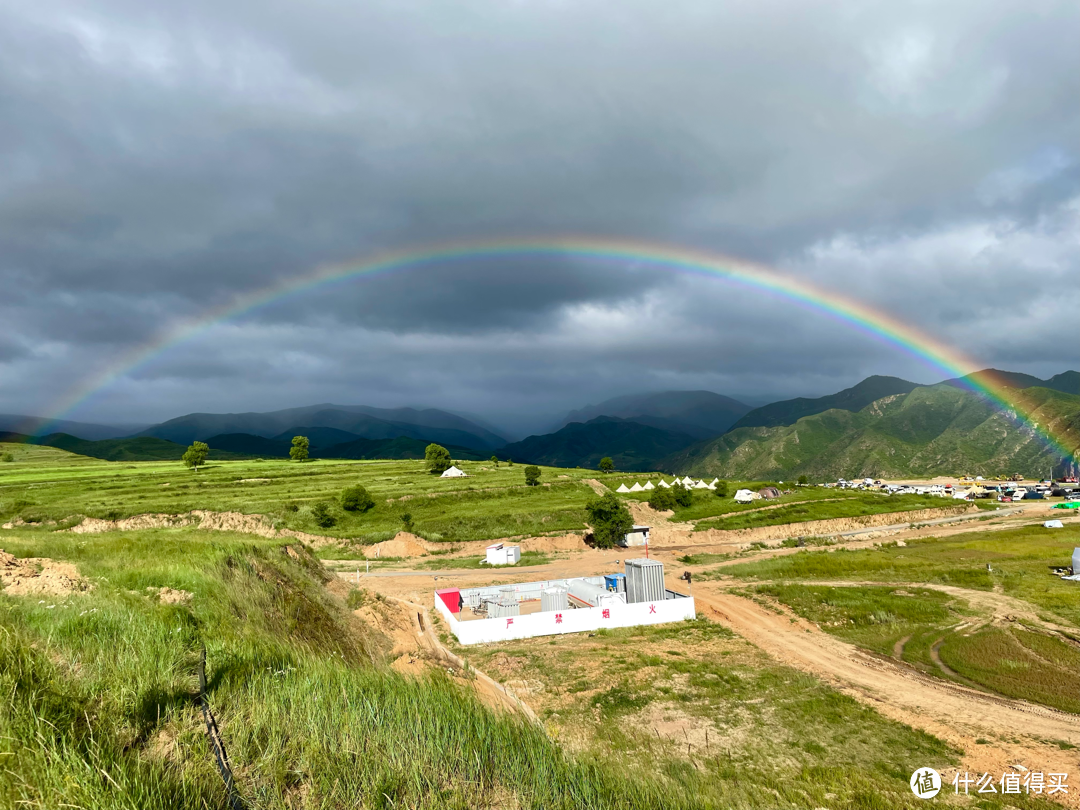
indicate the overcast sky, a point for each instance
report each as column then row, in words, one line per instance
column 159, row 159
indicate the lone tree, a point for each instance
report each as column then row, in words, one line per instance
column 437, row 458
column 356, row 499
column 803, row 480
column 406, row 521
column 495, row 460
column 195, row 456
column 299, row 449
column 532, row 476
column 610, row 520
column 606, row 465
column 721, row 489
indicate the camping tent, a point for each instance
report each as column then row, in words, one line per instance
column 701, row 485
column 665, row 484
column 745, row 496
column 636, row 487
column 715, row 481
column 1053, row 524
column 768, row 493
column 649, row 485
column 622, row 488
column 688, row 482
column 453, row 472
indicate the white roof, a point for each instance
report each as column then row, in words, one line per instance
column 665, row 484
column 622, row 488
column 701, row 485
column 649, row 485
column 688, row 481
column 453, row 472
column 636, row 487
column 1053, row 524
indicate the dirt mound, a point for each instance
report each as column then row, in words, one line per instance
column 39, row 575
column 172, row 596
column 596, row 486
column 403, row 545
column 566, row 542
column 645, row 514
column 202, row 519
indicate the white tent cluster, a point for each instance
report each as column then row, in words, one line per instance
column 687, row 482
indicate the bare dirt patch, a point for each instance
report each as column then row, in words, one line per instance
column 34, row 576
column 172, row 596
column 596, row 486
column 202, row 519
column 404, row 544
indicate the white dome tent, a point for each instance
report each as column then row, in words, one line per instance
column 649, row 485
column 454, row 472
column 622, row 488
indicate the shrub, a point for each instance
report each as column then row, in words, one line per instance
column 662, row 499
column 291, row 506
column 532, row 476
column 8, row 457
column 321, row 513
column 356, row 499
column 721, row 490
column 406, row 521
column 804, row 480
column 683, row 496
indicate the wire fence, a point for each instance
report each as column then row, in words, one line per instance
column 236, row 802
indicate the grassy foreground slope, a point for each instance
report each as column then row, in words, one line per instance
column 99, row 705
column 936, row 430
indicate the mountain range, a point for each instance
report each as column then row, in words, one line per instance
column 859, row 429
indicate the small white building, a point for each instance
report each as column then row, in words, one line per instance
column 502, row 554
column 453, row 472
column 637, row 536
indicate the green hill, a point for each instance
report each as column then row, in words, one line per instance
column 790, row 411
column 142, row 448
column 934, row 430
column 631, row 445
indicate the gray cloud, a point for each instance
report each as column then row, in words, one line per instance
column 162, row 159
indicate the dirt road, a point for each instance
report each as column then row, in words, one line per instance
column 1012, row 732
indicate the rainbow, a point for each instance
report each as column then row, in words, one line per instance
column 854, row 314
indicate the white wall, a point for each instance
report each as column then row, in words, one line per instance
column 574, row 620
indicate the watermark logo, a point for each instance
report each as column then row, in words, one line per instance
column 925, row 783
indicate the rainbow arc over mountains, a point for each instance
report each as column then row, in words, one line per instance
column 856, row 315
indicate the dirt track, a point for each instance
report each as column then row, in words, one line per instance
column 1017, row 732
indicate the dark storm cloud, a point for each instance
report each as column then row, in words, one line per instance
column 161, row 159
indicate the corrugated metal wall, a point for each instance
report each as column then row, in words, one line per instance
column 644, row 581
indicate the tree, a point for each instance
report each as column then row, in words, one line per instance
column 804, row 480
column 721, row 489
column 195, row 456
column 406, row 521
column 683, row 496
column 321, row 513
column 606, row 464
column 299, row 449
column 495, row 460
column 356, row 499
column 509, row 462
column 532, row 476
column 662, row 499
column 437, row 458
column 610, row 520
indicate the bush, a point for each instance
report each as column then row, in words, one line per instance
column 321, row 513
column 8, row 457
column 406, row 521
column 662, row 499
column 356, row 499
column 804, row 480
column 721, row 489
column 532, row 476
column 683, row 496
column 610, row 520
column 292, row 506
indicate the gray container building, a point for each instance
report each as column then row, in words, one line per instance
column 1076, row 561
column 644, row 581
column 554, row 599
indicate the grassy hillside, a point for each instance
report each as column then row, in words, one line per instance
column 790, row 411
column 141, row 448
column 701, row 414
column 931, row 431
column 631, row 445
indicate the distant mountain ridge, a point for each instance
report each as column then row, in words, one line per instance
column 700, row 414
column 358, row 420
column 630, row 444
column 41, row 426
column 933, row 430
column 790, row 411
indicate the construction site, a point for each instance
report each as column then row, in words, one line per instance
column 574, row 605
